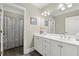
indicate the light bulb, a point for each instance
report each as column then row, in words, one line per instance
column 60, row 5
column 63, row 8
column 45, row 15
column 42, row 14
column 48, row 13
column 69, row 5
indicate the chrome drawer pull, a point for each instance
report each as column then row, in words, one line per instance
column 60, row 46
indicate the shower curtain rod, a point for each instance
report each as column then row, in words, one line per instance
column 22, row 8
column 14, row 5
column 13, row 12
column 17, row 6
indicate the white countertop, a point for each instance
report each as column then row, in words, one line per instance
column 57, row 37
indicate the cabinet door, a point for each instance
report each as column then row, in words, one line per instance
column 55, row 49
column 40, row 45
column 36, row 44
column 68, row 50
column 43, row 47
column 47, row 47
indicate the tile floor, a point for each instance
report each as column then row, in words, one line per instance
column 33, row 53
column 18, row 51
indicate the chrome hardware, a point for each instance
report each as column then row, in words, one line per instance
column 60, row 46
column 0, row 31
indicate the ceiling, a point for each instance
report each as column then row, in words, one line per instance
column 40, row 5
column 75, row 7
column 53, row 7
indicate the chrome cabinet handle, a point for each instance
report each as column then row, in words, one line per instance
column 60, row 46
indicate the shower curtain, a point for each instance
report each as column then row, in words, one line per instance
column 12, row 30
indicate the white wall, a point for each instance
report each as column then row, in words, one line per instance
column 29, row 29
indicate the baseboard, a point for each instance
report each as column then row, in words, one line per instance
column 28, row 50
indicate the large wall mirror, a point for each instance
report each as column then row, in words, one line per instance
column 72, row 25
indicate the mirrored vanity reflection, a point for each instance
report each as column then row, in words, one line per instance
column 62, row 37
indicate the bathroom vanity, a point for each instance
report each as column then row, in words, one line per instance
column 55, row 45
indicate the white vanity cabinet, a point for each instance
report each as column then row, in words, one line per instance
column 63, row 49
column 52, row 47
column 68, row 50
column 42, row 45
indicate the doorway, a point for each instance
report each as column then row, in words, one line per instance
column 12, row 24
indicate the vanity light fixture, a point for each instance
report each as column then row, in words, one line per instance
column 48, row 13
column 69, row 5
column 42, row 14
column 63, row 8
column 45, row 13
column 60, row 6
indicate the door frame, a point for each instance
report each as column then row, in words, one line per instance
column 2, row 13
